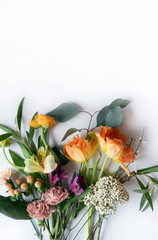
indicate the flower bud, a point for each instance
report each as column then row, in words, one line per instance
column 30, row 179
column 16, row 192
column 6, row 143
column 24, row 187
column 9, row 186
column 39, row 179
column 38, row 184
column 18, row 181
column 11, row 192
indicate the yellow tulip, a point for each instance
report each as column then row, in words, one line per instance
column 79, row 149
column 44, row 162
column 42, row 120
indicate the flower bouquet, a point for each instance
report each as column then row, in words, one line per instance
column 50, row 196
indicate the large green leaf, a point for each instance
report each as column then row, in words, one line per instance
column 64, row 112
column 15, row 210
column 58, row 149
column 103, row 113
column 5, row 136
column 19, row 114
column 114, row 117
column 11, row 131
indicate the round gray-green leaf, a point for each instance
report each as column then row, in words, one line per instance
column 114, row 117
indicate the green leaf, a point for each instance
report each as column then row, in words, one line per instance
column 5, row 136
column 119, row 103
column 64, row 112
column 15, row 210
column 148, row 197
column 11, row 131
column 40, row 142
column 75, row 199
column 114, row 117
column 142, row 190
column 19, row 114
column 69, row 132
column 102, row 115
column 25, row 150
column 32, row 130
column 143, row 199
column 147, row 205
column 32, row 146
column 155, row 181
column 58, row 149
column 18, row 161
column 148, row 170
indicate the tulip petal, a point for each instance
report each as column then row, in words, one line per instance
column 101, row 142
column 125, row 168
column 33, row 124
column 49, row 164
column 114, row 148
column 32, row 166
column 128, row 155
column 75, row 154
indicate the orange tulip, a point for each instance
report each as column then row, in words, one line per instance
column 79, row 149
column 42, row 120
column 112, row 142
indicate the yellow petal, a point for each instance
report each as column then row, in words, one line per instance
column 49, row 164
column 32, row 166
column 75, row 154
column 101, row 142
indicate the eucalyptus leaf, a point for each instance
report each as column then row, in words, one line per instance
column 19, row 114
column 114, row 117
column 5, row 136
column 15, row 210
column 69, row 132
column 64, row 112
column 58, row 149
column 101, row 117
column 119, row 102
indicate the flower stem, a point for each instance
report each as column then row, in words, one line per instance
column 94, row 174
column 99, row 232
column 18, row 167
column 36, row 229
column 50, row 234
column 87, row 173
column 103, row 167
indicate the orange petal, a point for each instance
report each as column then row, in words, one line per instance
column 34, row 124
column 114, row 148
column 101, row 141
column 125, row 168
column 75, row 154
column 128, row 155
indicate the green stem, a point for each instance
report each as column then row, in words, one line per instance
column 87, row 174
column 35, row 228
column 81, row 169
column 99, row 232
column 103, row 167
column 94, row 174
column 50, row 234
column 18, row 167
column 56, row 227
column 89, row 220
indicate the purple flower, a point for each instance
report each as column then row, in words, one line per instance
column 57, row 175
column 77, row 184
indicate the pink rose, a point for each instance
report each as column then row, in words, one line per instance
column 55, row 195
column 39, row 210
column 6, row 175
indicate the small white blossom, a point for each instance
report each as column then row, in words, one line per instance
column 105, row 194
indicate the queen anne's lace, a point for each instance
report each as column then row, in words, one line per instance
column 105, row 194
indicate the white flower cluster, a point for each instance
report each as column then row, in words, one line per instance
column 105, row 194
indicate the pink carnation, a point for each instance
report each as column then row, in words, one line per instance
column 55, row 195
column 39, row 210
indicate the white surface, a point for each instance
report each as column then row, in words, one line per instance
column 89, row 53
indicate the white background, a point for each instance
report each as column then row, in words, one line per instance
column 88, row 53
